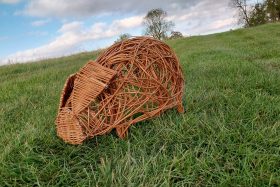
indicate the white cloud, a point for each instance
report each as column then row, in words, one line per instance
column 205, row 17
column 128, row 22
column 219, row 24
column 72, row 36
column 190, row 18
column 71, row 27
column 39, row 23
column 9, row 1
column 66, row 8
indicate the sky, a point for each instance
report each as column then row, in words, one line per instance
column 39, row 29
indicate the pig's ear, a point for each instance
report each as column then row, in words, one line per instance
column 67, row 90
column 90, row 81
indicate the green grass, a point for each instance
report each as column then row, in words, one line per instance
column 229, row 136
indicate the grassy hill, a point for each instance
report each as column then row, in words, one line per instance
column 230, row 134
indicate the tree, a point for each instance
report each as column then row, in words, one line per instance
column 156, row 24
column 258, row 15
column 123, row 37
column 273, row 10
column 175, row 35
column 243, row 11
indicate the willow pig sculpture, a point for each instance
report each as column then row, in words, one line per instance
column 131, row 81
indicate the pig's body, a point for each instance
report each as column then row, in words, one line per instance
column 131, row 81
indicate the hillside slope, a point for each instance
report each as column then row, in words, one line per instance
column 230, row 134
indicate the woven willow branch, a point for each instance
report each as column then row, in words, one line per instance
column 131, row 81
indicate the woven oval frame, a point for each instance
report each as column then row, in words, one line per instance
column 131, row 81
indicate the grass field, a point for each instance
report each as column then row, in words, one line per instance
column 229, row 136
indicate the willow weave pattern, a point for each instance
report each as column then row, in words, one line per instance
column 131, row 81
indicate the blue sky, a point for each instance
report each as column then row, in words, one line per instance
column 38, row 29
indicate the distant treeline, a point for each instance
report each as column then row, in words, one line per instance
column 257, row 13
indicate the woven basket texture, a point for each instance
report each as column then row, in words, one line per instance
column 131, row 81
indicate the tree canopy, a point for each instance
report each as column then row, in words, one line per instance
column 122, row 37
column 156, row 24
column 175, row 35
column 258, row 13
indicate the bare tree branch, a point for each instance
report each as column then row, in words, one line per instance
column 244, row 13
